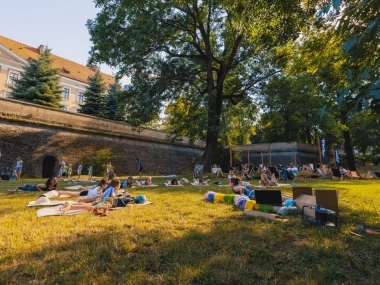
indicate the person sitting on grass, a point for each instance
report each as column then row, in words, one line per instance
column 6, row 173
column 266, row 182
column 146, row 182
column 217, row 171
column 50, row 184
column 231, row 174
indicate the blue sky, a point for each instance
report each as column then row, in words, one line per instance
column 57, row 24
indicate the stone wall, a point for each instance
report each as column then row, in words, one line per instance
column 33, row 133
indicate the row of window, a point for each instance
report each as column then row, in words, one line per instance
column 65, row 94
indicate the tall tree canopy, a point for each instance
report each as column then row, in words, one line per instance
column 94, row 97
column 39, row 82
column 210, row 52
column 359, row 26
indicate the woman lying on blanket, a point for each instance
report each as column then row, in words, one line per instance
column 238, row 188
column 266, row 182
column 146, row 182
column 104, row 204
column 200, row 182
column 87, row 196
column 50, row 184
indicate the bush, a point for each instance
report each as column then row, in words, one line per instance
column 99, row 161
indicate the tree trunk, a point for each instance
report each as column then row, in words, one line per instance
column 347, row 143
column 348, row 150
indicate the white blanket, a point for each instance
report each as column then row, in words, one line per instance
column 50, row 203
column 167, row 184
column 54, row 211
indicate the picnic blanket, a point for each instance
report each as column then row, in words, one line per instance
column 151, row 185
column 167, row 184
column 199, row 185
column 76, row 187
column 54, row 211
column 278, row 185
column 48, row 203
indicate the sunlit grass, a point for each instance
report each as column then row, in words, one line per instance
column 182, row 239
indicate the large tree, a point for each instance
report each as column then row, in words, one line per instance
column 94, row 97
column 39, row 82
column 206, row 51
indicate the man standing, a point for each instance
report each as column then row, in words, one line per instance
column 18, row 168
column 79, row 170
column 139, row 166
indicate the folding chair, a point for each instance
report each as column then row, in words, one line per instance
column 376, row 174
column 321, row 175
column 275, row 171
column 336, row 173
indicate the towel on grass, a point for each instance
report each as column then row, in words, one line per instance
column 167, row 184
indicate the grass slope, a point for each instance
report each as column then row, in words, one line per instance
column 182, row 239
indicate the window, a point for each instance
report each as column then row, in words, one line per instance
column 64, row 108
column 80, row 96
column 12, row 77
column 66, row 93
column 7, row 95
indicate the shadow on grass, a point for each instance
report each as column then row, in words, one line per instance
column 236, row 250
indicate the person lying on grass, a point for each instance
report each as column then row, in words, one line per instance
column 200, row 182
column 146, row 182
column 87, row 196
column 104, row 204
column 238, row 188
column 50, row 184
column 128, row 182
column 173, row 182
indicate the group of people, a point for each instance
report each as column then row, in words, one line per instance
column 8, row 173
column 106, row 194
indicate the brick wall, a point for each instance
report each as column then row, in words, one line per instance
column 33, row 137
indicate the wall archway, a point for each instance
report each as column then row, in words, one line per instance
column 49, row 165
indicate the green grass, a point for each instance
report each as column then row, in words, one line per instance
column 182, row 239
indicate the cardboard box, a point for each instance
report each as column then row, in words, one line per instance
column 297, row 191
column 306, row 200
column 273, row 217
column 327, row 199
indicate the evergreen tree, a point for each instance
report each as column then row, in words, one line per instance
column 94, row 99
column 39, row 82
column 114, row 110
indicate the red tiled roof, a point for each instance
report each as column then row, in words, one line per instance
column 67, row 67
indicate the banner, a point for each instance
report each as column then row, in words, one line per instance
column 336, row 156
column 324, row 154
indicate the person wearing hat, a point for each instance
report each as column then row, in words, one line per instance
column 18, row 168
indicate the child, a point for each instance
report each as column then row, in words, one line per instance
column 231, row 174
column 89, row 173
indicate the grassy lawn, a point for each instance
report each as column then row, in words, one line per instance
column 182, row 239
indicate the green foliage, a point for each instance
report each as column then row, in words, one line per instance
column 181, row 239
column 99, row 161
column 359, row 26
column 94, row 97
column 114, row 110
column 209, row 52
column 285, row 116
column 39, row 82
